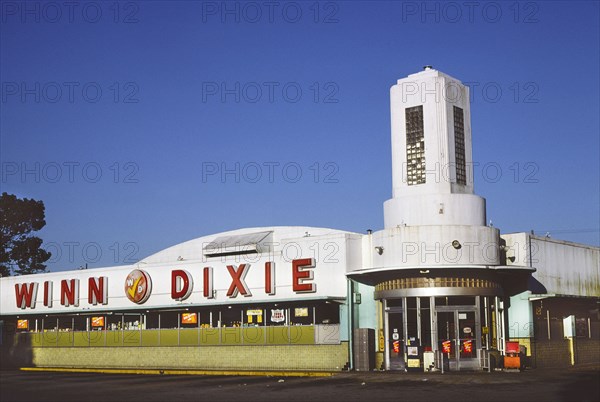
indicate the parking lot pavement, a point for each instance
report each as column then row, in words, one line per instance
column 532, row 386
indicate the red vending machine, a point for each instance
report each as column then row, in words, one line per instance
column 512, row 359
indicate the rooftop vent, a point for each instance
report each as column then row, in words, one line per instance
column 236, row 244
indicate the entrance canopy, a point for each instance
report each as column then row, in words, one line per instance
column 374, row 276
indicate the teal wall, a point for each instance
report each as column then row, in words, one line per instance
column 366, row 311
column 520, row 316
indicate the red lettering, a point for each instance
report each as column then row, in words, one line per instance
column 69, row 292
column 48, row 294
column 237, row 283
column 207, row 275
column 181, row 284
column 270, row 278
column 302, row 272
column 98, row 290
column 26, row 294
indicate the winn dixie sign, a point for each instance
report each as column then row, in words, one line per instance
column 160, row 286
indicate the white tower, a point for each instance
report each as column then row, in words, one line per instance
column 432, row 163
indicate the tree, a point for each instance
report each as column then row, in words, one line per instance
column 20, row 252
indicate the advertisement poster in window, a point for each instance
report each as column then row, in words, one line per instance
column 258, row 313
column 446, row 347
column 301, row 312
column 189, row 318
column 278, row 315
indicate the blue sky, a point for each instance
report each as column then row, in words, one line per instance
column 122, row 116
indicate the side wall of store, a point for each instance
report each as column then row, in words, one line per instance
column 540, row 326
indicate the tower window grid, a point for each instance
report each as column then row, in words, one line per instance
column 415, row 146
column 459, row 146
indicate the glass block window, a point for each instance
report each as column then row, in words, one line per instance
column 459, row 146
column 415, row 146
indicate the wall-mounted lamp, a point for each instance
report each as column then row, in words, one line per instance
column 379, row 250
column 424, row 271
column 456, row 244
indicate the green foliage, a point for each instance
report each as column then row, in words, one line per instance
column 20, row 252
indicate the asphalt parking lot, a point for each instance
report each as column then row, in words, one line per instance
column 532, row 385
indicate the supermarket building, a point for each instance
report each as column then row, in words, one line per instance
column 436, row 287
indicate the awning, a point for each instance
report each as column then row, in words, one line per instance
column 372, row 276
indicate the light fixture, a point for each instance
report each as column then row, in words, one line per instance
column 379, row 250
column 456, row 244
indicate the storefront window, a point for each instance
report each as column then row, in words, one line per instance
column 206, row 319
column 394, row 303
column 411, row 320
column 455, row 301
column 80, row 323
column 231, row 317
column 327, row 313
column 169, row 319
column 152, row 320
column 425, row 322
column 258, row 315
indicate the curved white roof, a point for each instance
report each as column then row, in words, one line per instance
column 269, row 236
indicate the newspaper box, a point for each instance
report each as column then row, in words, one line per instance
column 512, row 359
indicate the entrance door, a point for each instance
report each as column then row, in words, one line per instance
column 468, row 343
column 457, row 338
column 396, row 341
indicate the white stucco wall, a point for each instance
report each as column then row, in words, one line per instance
column 430, row 246
column 562, row 267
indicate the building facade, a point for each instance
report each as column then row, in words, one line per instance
column 436, row 288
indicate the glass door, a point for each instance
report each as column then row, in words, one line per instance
column 466, row 328
column 396, row 341
column 467, row 341
column 446, row 326
column 457, row 339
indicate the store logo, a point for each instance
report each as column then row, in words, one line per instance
column 138, row 286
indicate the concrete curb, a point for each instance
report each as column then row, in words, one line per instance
column 183, row 372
